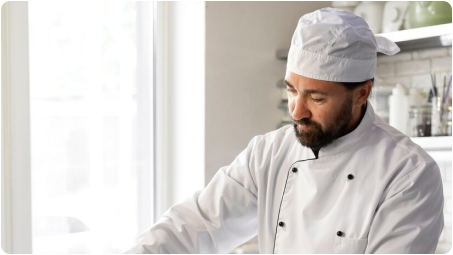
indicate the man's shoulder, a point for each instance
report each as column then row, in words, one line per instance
column 396, row 146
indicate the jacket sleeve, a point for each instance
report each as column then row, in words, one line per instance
column 214, row 220
column 410, row 218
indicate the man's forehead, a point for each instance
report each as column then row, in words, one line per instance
column 313, row 90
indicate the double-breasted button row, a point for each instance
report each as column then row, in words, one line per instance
column 282, row 224
column 350, row 176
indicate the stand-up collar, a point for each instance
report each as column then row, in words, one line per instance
column 353, row 137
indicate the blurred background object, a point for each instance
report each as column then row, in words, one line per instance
column 372, row 12
column 429, row 13
column 395, row 15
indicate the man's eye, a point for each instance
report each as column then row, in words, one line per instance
column 290, row 90
column 317, row 100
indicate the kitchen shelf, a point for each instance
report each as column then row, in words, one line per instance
column 422, row 38
column 411, row 39
column 437, row 143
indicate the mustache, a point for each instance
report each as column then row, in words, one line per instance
column 306, row 122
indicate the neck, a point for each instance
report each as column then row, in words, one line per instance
column 356, row 119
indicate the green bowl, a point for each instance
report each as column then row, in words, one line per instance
column 429, row 13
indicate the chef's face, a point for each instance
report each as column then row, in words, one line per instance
column 321, row 111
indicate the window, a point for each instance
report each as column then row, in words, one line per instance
column 91, row 124
column 85, row 165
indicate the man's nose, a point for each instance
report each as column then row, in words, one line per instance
column 300, row 110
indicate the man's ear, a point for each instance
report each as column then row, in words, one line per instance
column 362, row 93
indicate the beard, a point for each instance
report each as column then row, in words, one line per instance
column 316, row 137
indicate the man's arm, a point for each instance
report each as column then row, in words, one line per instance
column 410, row 218
column 215, row 220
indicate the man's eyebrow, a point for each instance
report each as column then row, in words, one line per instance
column 313, row 91
column 287, row 84
column 307, row 91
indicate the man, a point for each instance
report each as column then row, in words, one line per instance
column 340, row 180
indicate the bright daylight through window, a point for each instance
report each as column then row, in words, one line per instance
column 91, row 124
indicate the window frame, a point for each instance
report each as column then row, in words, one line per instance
column 15, row 103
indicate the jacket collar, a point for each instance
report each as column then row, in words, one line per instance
column 353, row 137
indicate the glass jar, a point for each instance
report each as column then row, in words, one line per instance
column 420, row 120
column 449, row 120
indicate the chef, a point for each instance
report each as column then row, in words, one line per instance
column 339, row 180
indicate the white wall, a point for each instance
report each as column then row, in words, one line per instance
column 242, row 71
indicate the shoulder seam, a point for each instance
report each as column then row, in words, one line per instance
column 396, row 144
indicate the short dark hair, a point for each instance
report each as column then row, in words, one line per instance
column 353, row 85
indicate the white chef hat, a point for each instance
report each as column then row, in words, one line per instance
column 335, row 45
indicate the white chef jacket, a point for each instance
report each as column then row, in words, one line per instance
column 370, row 191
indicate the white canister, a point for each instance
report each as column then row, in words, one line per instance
column 345, row 5
column 395, row 13
column 372, row 13
column 399, row 109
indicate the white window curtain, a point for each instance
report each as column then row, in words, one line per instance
column 77, row 125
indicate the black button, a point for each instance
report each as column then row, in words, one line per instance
column 281, row 224
column 350, row 176
column 339, row 233
column 294, row 169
